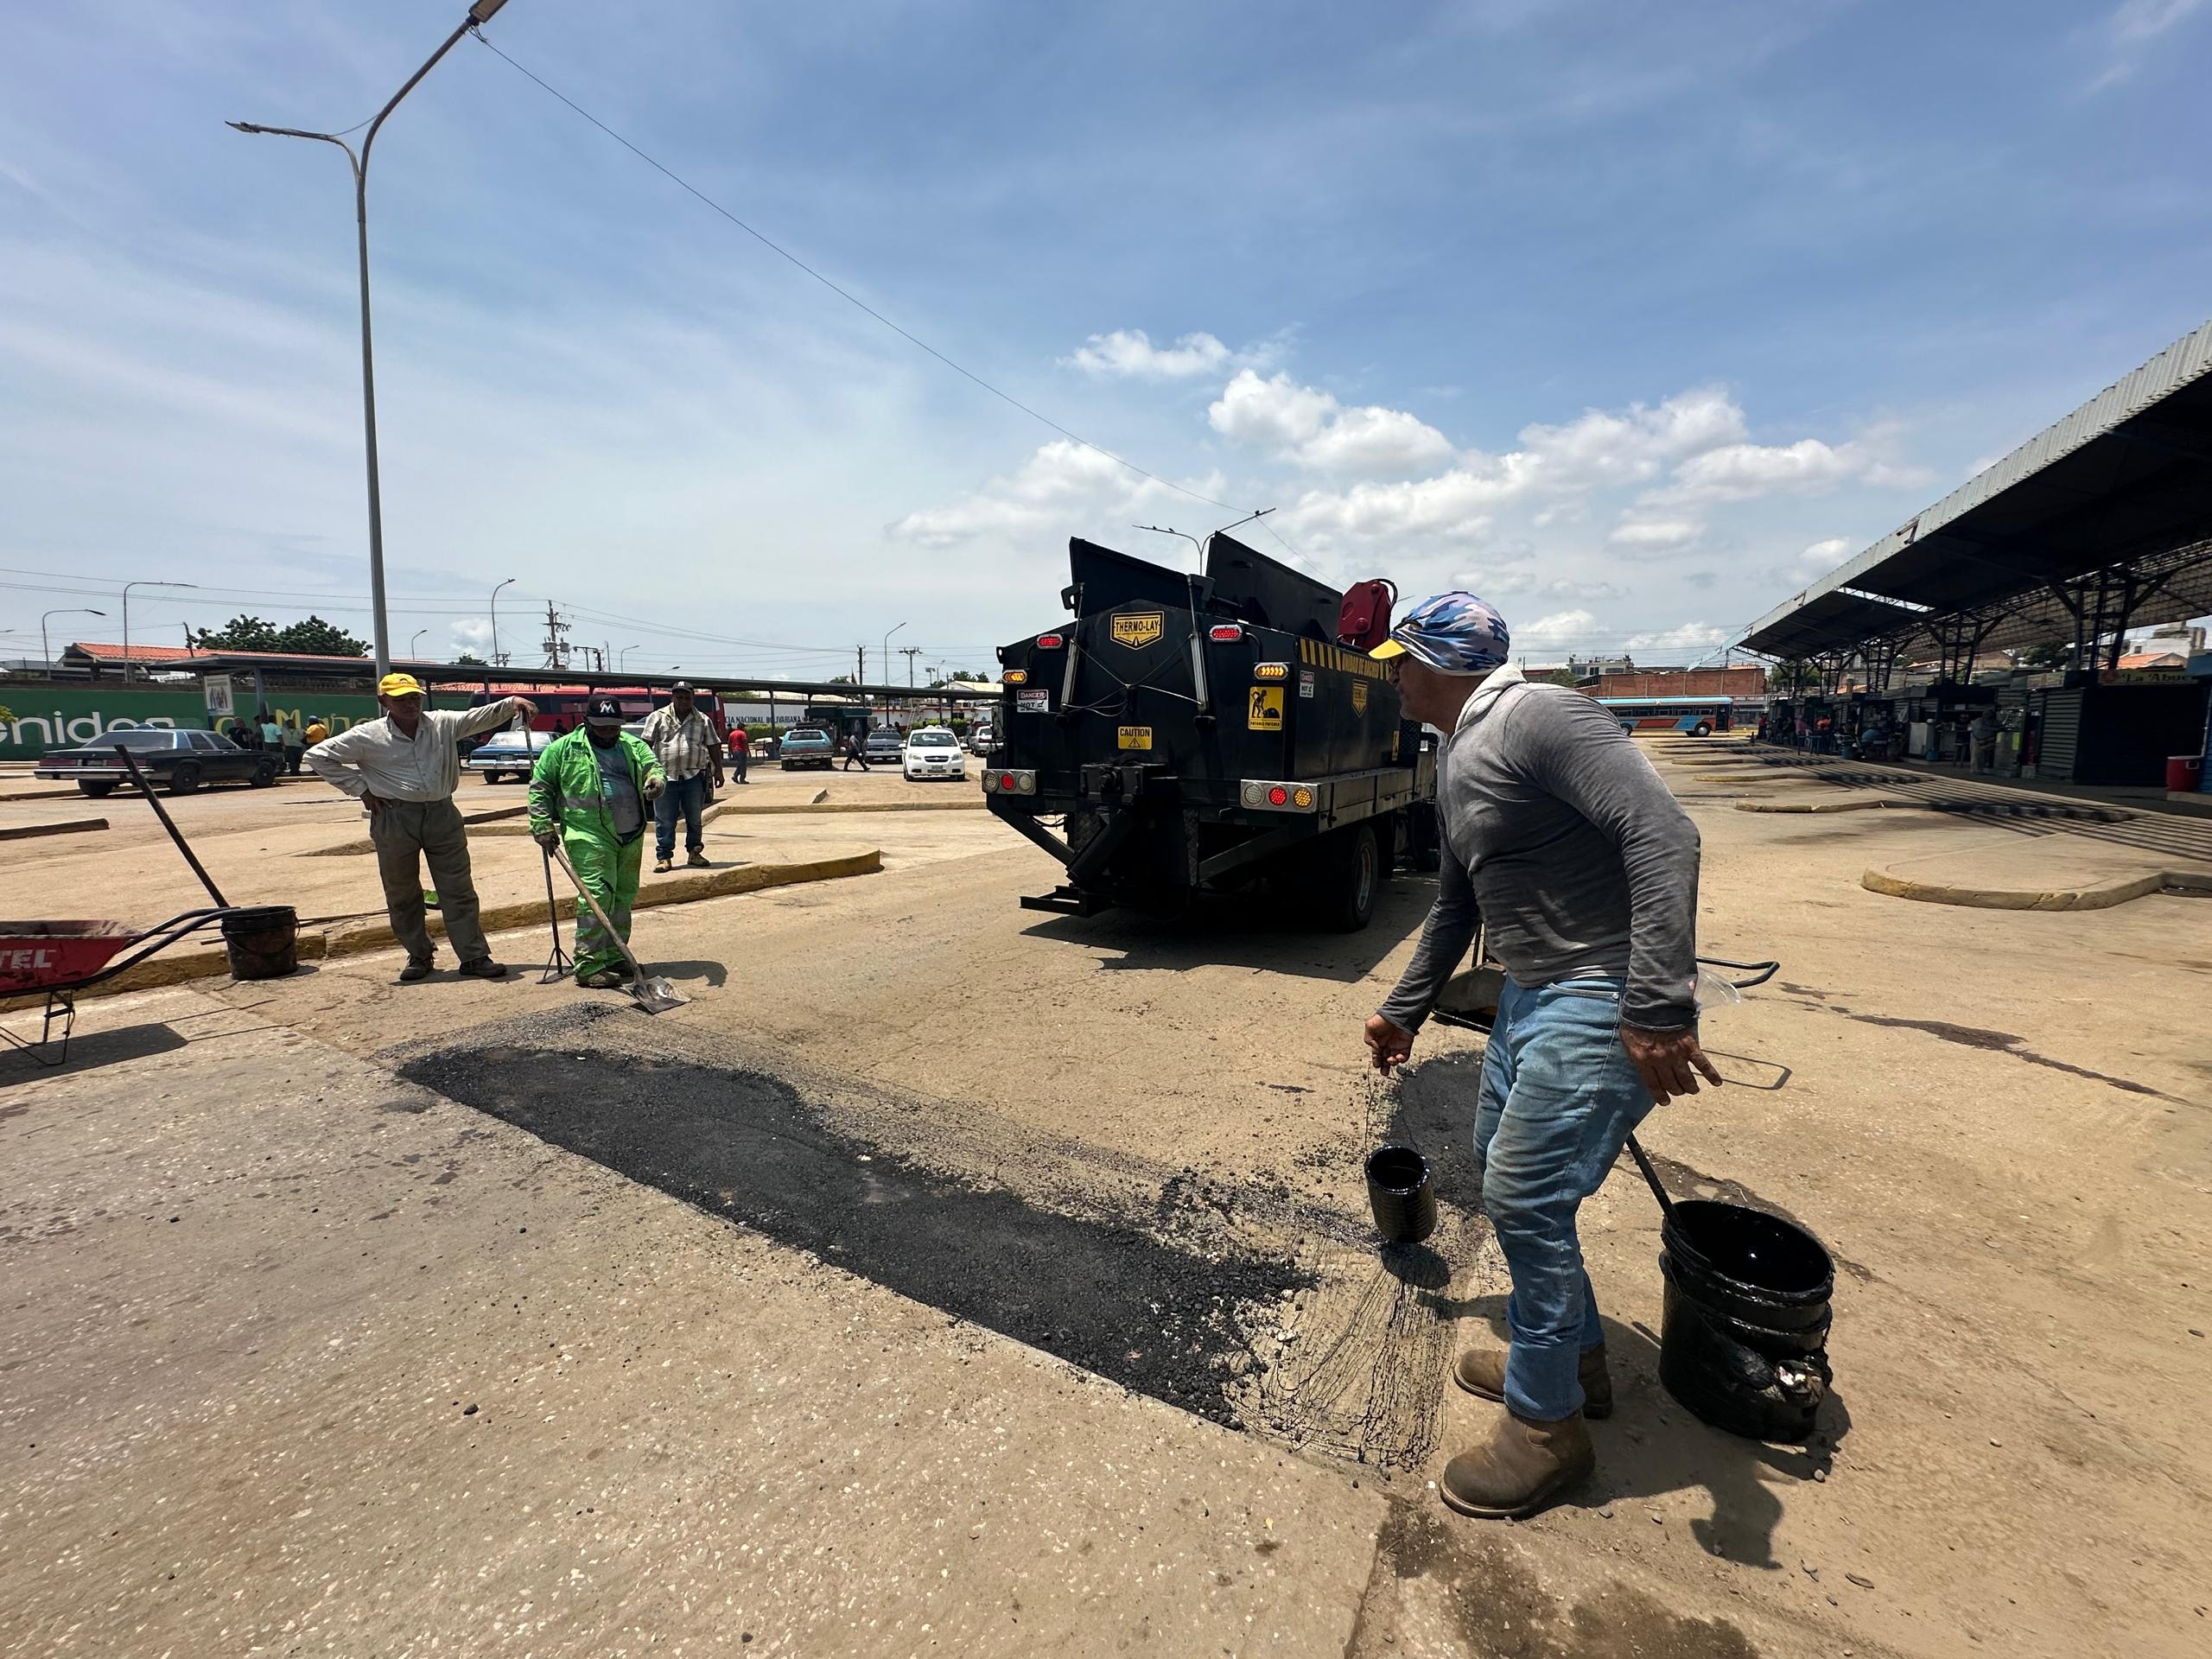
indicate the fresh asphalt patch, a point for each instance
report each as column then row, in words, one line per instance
column 1092, row 1285
column 1223, row 1295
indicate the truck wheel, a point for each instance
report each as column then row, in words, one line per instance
column 186, row 778
column 1351, row 870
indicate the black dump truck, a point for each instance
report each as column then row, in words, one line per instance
column 1210, row 733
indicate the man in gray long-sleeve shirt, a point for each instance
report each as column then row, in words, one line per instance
column 1562, row 842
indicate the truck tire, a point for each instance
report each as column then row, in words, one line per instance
column 1350, row 866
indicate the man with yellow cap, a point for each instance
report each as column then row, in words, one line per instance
column 404, row 769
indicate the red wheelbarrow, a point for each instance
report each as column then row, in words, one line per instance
column 62, row 959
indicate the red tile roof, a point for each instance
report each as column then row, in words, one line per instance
column 139, row 653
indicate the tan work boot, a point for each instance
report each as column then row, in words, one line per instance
column 1522, row 1466
column 1481, row 1371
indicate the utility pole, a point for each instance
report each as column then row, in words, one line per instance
column 860, row 667
column 910, row 653
column 556, row 648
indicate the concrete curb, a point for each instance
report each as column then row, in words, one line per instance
column 65, row 826
column 1825, row 806
column 2097, row 898
column 372, row 933
column 352, row 939
column 766, row 809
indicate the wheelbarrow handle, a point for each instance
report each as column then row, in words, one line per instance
column 147, row 789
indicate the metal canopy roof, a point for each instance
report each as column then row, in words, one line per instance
column 2124, row 481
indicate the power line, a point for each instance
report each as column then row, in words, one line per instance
column 844, row 294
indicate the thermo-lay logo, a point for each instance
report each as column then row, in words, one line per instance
column 1140, row 628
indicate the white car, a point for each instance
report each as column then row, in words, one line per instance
column 934, row 751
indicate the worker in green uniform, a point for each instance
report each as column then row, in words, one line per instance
column 591, row 792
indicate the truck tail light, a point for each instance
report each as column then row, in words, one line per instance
column 1287, row 797
column 1049, row 642
column 1013, row 781
column 1225, row 633
column 1015, row 676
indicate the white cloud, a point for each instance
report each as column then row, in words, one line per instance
column 1691, row 636
column 1310, row 428
column 1457, row 503
column 1826, row 556
column 2129, row 31
column 1061, row 481
column 1656, row 532
column 1130, row 353
column 1560, row 628
column 472, row 635
column 1636, row 444
column 1745, row 472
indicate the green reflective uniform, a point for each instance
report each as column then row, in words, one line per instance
column 567, row 790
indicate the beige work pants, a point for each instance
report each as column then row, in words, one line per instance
column 408, row 833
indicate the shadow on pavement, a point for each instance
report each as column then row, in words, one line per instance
column 88, row 1050
column 1249, row 933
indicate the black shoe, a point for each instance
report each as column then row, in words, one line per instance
column 415, row 971
column 482, row 967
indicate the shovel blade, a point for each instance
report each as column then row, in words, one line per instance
column 656, row 995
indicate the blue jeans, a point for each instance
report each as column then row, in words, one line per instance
column 689, row 797
column 1559, row 1097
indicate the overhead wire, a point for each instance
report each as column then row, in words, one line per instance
column 847, row 295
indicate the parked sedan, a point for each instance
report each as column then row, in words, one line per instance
column 510, row 753
column 934, row 751
column 806, row 746
column 884, row 747
column 180, row 761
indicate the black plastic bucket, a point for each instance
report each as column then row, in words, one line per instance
column 262, row 941
column 1399, row 1194
column 1743, row 1340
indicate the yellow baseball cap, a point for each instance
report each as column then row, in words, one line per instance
column 399, row 685
column 1387, row 650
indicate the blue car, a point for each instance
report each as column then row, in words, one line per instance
column 806, row 746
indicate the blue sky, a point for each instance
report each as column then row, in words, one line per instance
column 1630, row 317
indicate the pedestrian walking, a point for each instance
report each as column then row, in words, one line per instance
column 683, row 741
column 1582, row 868
column 740, row 750
column 404, row 769
column 856, row 749
column 587, row 795
column 295, row 745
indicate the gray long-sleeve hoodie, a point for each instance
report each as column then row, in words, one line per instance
column 1560, row 836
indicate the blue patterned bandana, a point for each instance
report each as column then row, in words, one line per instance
column 1453, row 633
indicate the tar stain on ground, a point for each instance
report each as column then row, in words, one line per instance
column 2003, row 1042
column 1098, row 1291
column 1494, row 1603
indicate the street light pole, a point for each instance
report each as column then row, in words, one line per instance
column 622, row 659
column 127, row 587
column 482, row 12
column 495, row 620
column 46, row 651
column 885, row 660
column 419, row 632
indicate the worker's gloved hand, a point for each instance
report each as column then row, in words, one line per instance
column 1389, row 1044
column 653, row 786
column 549, row 837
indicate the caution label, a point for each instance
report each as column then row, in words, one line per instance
column 1263, row 708
column 1359, row 697
column 1133, row 737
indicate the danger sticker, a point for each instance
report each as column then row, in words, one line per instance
column 1306, row 682
column 1039, row 701
column 1263, row 708
column 1133, row 737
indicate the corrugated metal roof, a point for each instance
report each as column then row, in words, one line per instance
column 1937, row 558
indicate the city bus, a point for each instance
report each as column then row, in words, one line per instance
column 1691, row 716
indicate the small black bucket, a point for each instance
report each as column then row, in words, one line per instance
column 1743, row 1341
column 1399, row 1194
column 262, row 941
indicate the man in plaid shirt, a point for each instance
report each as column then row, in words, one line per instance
column 684, row 744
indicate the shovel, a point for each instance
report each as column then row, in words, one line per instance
column 655, row 995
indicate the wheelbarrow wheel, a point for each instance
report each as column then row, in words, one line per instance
column 186, row 778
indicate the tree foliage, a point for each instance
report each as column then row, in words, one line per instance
column 313, row 638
